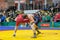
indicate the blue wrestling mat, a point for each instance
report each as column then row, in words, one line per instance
column 27, row 28
column 11, row 25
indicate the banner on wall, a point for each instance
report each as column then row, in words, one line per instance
column 21, row 1
column 30, row 11
column 45, row 25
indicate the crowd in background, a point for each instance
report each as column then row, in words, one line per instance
column 45, row 14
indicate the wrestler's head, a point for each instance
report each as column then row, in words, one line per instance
column 25, row 16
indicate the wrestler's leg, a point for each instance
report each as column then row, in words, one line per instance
column 34, row 31
column 36, row 28
column 16, row 27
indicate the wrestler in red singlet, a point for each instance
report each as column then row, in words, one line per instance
column 19, row 19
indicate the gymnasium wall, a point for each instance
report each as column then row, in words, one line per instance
column 41, row 25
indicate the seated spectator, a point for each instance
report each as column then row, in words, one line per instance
column 0, row 17
column 43, row 18
column 48, row 18
column 3, row 17
column 8, row 19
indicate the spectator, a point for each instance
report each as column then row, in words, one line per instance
column 0, row 18
column 8, row 18
column 43, row 18
column 48, row 17
column 3, row 17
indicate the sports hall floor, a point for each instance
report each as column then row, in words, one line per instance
column 27, row 35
